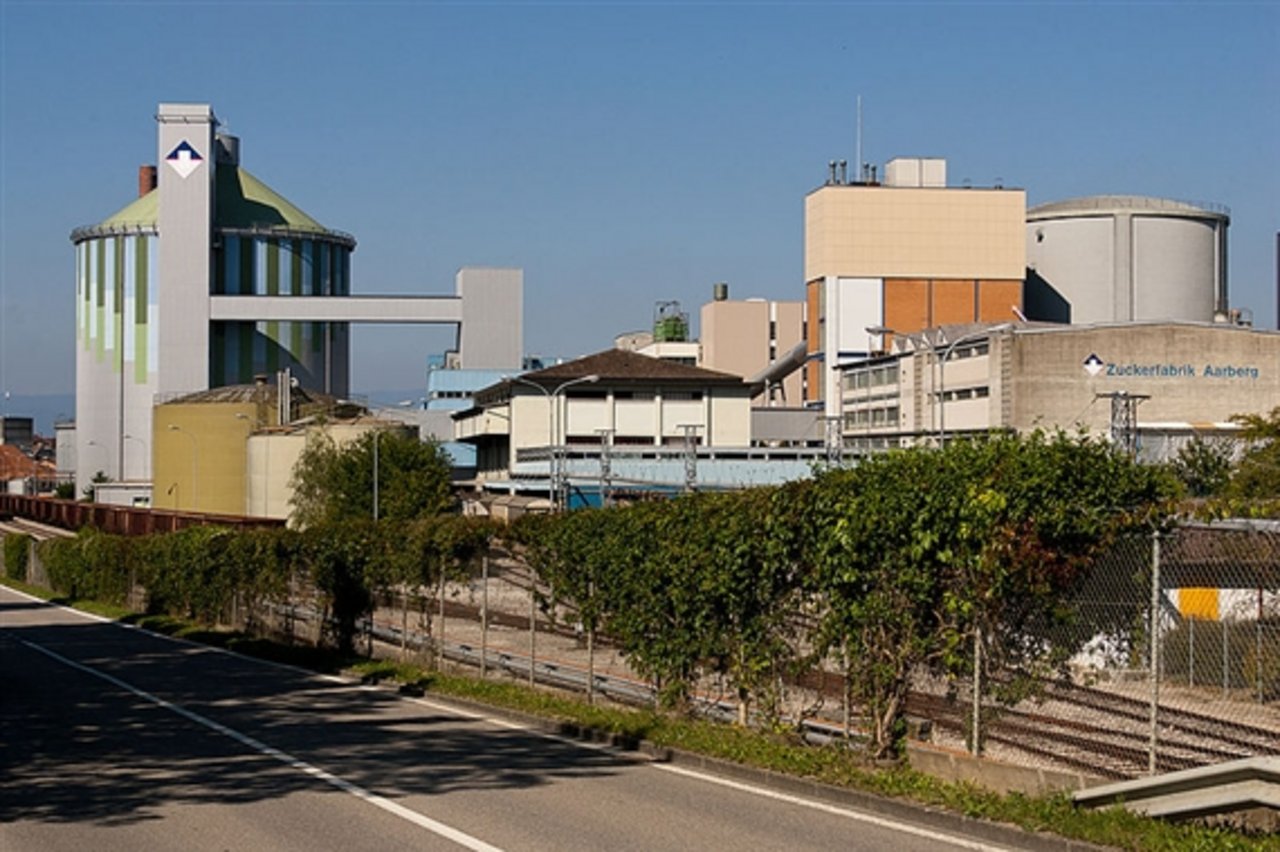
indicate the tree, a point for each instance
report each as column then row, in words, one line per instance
column 1204, row 466
column 332, row 482
column 341, row 557
column 1257, row 476
column 90, row 493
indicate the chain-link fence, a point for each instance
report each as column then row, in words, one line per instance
column 1174, row 662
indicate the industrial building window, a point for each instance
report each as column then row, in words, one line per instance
column 586, row 394
column 974, row 350
column 981, row 392
column 683, row 396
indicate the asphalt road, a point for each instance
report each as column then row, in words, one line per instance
column 114, row 739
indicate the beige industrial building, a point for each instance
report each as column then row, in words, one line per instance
column 907, row 254
column 1152, row 383
column 232, row 450
column 614, row 397
column 746, row 337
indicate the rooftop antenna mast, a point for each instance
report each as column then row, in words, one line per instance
column 860, row 170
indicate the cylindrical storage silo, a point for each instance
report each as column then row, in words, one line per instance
column 141, row 325
column 116, row 344
column 1119, row 258
column 265, row 246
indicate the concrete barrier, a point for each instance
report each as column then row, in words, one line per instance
column 950, row 765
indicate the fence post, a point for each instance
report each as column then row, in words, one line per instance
column 1191, row 651
column 35, row 568
column 591, row 645
column 975, row 745
column 846, row 686
column 404, row 623
column 484, row 616
column 533, row 624
column 1225, row 655
column 1154, row 627
column 1257, row 646
column 440, row 644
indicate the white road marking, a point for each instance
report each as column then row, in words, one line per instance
column 420, row 820
column 883, row 822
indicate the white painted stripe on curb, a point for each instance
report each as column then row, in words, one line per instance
column 434, row 826
column 883, row 822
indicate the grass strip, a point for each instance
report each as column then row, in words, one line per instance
column 99, row 608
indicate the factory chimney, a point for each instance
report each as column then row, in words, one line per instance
column 147, row 179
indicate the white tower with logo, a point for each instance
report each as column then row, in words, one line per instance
column 187, row 175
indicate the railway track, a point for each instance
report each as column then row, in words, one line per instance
column 1104, row 733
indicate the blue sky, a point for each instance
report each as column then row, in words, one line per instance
column 621, row 153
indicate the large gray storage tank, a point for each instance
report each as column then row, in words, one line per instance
column 1117, row 258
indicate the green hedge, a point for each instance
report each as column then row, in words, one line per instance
column 199, row 572
column 17, row 555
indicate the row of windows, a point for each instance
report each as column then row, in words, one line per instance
column 629, row 440
column 873, row 378
column 887, row 415
column 973, row 350
column 863, row 418
column 639, row 395
column 981, row 392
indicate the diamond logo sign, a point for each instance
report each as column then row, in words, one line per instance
column 1093, row 365
column 184, row 159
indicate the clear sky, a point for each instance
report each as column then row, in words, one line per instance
column 621, row 153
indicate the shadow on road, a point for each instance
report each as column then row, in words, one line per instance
column 76, row 748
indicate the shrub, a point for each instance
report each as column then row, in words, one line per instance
column 17, row 549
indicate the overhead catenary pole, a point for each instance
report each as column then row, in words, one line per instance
column 858, row 144
column 1154, row 629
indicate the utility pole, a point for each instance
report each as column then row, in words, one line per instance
column 606, row 467
column 1124, row 418
column 834, row 440
column 690, row 431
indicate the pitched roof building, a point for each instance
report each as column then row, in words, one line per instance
column 610, row 398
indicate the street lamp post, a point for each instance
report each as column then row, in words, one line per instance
column 142, row 444
column 376, row 435
column 195, row 455
column 553, row 473
column 102, row 470
column 104, row 457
